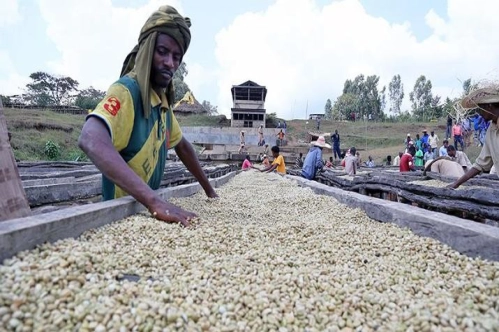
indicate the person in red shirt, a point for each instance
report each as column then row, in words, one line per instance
column 407, row 160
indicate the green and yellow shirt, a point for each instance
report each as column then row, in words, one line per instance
column 143, row 143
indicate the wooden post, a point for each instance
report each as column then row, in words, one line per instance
column 13, row 202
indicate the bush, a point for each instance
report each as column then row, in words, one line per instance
column 52, row 150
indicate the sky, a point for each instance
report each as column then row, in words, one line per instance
column 301, row 50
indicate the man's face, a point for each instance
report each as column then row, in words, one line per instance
column 432, row 133
column 451, row 153
column 446, row 144
column 166, row 60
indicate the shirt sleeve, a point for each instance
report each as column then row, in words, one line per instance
column 319, row 163
column 176, row 132
column 484, row 161
column 116, row 110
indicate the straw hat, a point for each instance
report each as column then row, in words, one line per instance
column 481, row 96
column 321, row 142
column 408, row 135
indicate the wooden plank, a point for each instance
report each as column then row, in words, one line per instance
column 13, row 202
column 26, row 233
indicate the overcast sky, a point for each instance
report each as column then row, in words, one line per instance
column 301, row 50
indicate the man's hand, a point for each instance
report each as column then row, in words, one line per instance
column 171, row 213
column 453, row 185
column 211, row 193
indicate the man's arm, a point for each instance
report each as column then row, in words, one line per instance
column 269, row 169
column 96, row 142
column 188, row 156
column 472, row 172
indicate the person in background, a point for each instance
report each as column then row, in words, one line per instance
column 407, row 160
column 459, row 157
column 425, row 140
column 266, row 149
column 444, row 166
column 418, row 143
column 278, row 163
column 396, row 160
column 299, row 161
column 419, row 158
column 329, row 163
column 351, row 162
column 246, row 163
column 260, row 135
column 243, row 142
column 428, row 155
column 347, row 153
column 433, row 140
column 486, row 101
column 280, row 137
column 359, row 160
column 407, row 141
column 284, row 126
column 313, row 160
column 442, row 152
column 449, row 127
column 457, row 132
column 265, row 161
column 370, row 162
column 335, row 139
column 388, row 160
column 128, row 134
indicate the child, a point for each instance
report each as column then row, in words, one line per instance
column 246, row 163
column 278, row 163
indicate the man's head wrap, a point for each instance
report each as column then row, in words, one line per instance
column 139, row 61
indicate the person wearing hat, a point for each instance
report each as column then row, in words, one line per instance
column 313, row 161
column 425, row 140
column 128, row 134
column 486, row 102
column 443, row 165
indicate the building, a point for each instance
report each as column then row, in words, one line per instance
column 248, row 105
column 317, row 116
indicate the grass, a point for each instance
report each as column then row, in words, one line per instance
column 31, row 129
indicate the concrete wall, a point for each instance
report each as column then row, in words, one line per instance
column 228, row 136
column 249, row 104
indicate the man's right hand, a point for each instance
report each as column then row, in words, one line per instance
column 171, row 213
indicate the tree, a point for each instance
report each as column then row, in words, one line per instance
column 383, row 100
column 396, row 94
column 48, row 90
column 345, row 105
column 469, row 87
column 422, row 98
column 5, row 99
column 365, row 89
column 89, row 98
column 211, row 109
column 179, row 86
column 328, row 109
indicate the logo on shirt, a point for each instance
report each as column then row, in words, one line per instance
column 112, row 105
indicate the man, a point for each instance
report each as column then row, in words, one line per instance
column 442, row 152
column 444, row 166
column 351, row 162
column 129, row 133
column 335, row 139
column 407, row 161
column 370, row 162
column 313, row 161
column 280, row 137
column 459, row 157
column 428, row 155
column 433, row 140
column 260, row 135
column 448, row 127
column 425, row 140
column 457, row 132
column 242, row 139
column 487, row 101
column 396, row 160
column 278, row 163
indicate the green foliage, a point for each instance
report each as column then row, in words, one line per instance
column 77, row 155
column 52, row 150
column 49, row 90
column 396, row 94
column 179, row 86
column 211, row 109
column 328, row 109
column 5, row 99
column 422, row 99
column 89, row 98
column 345, row 105
column 369, row 100
column 469, row 87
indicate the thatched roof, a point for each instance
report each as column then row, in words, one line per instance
column 188, row 105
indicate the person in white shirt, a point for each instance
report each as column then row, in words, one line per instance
column 396, row 160
column 433, row 141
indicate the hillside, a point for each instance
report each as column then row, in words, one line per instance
column 31, row 129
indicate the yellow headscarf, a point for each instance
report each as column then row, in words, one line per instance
column 138, row 62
